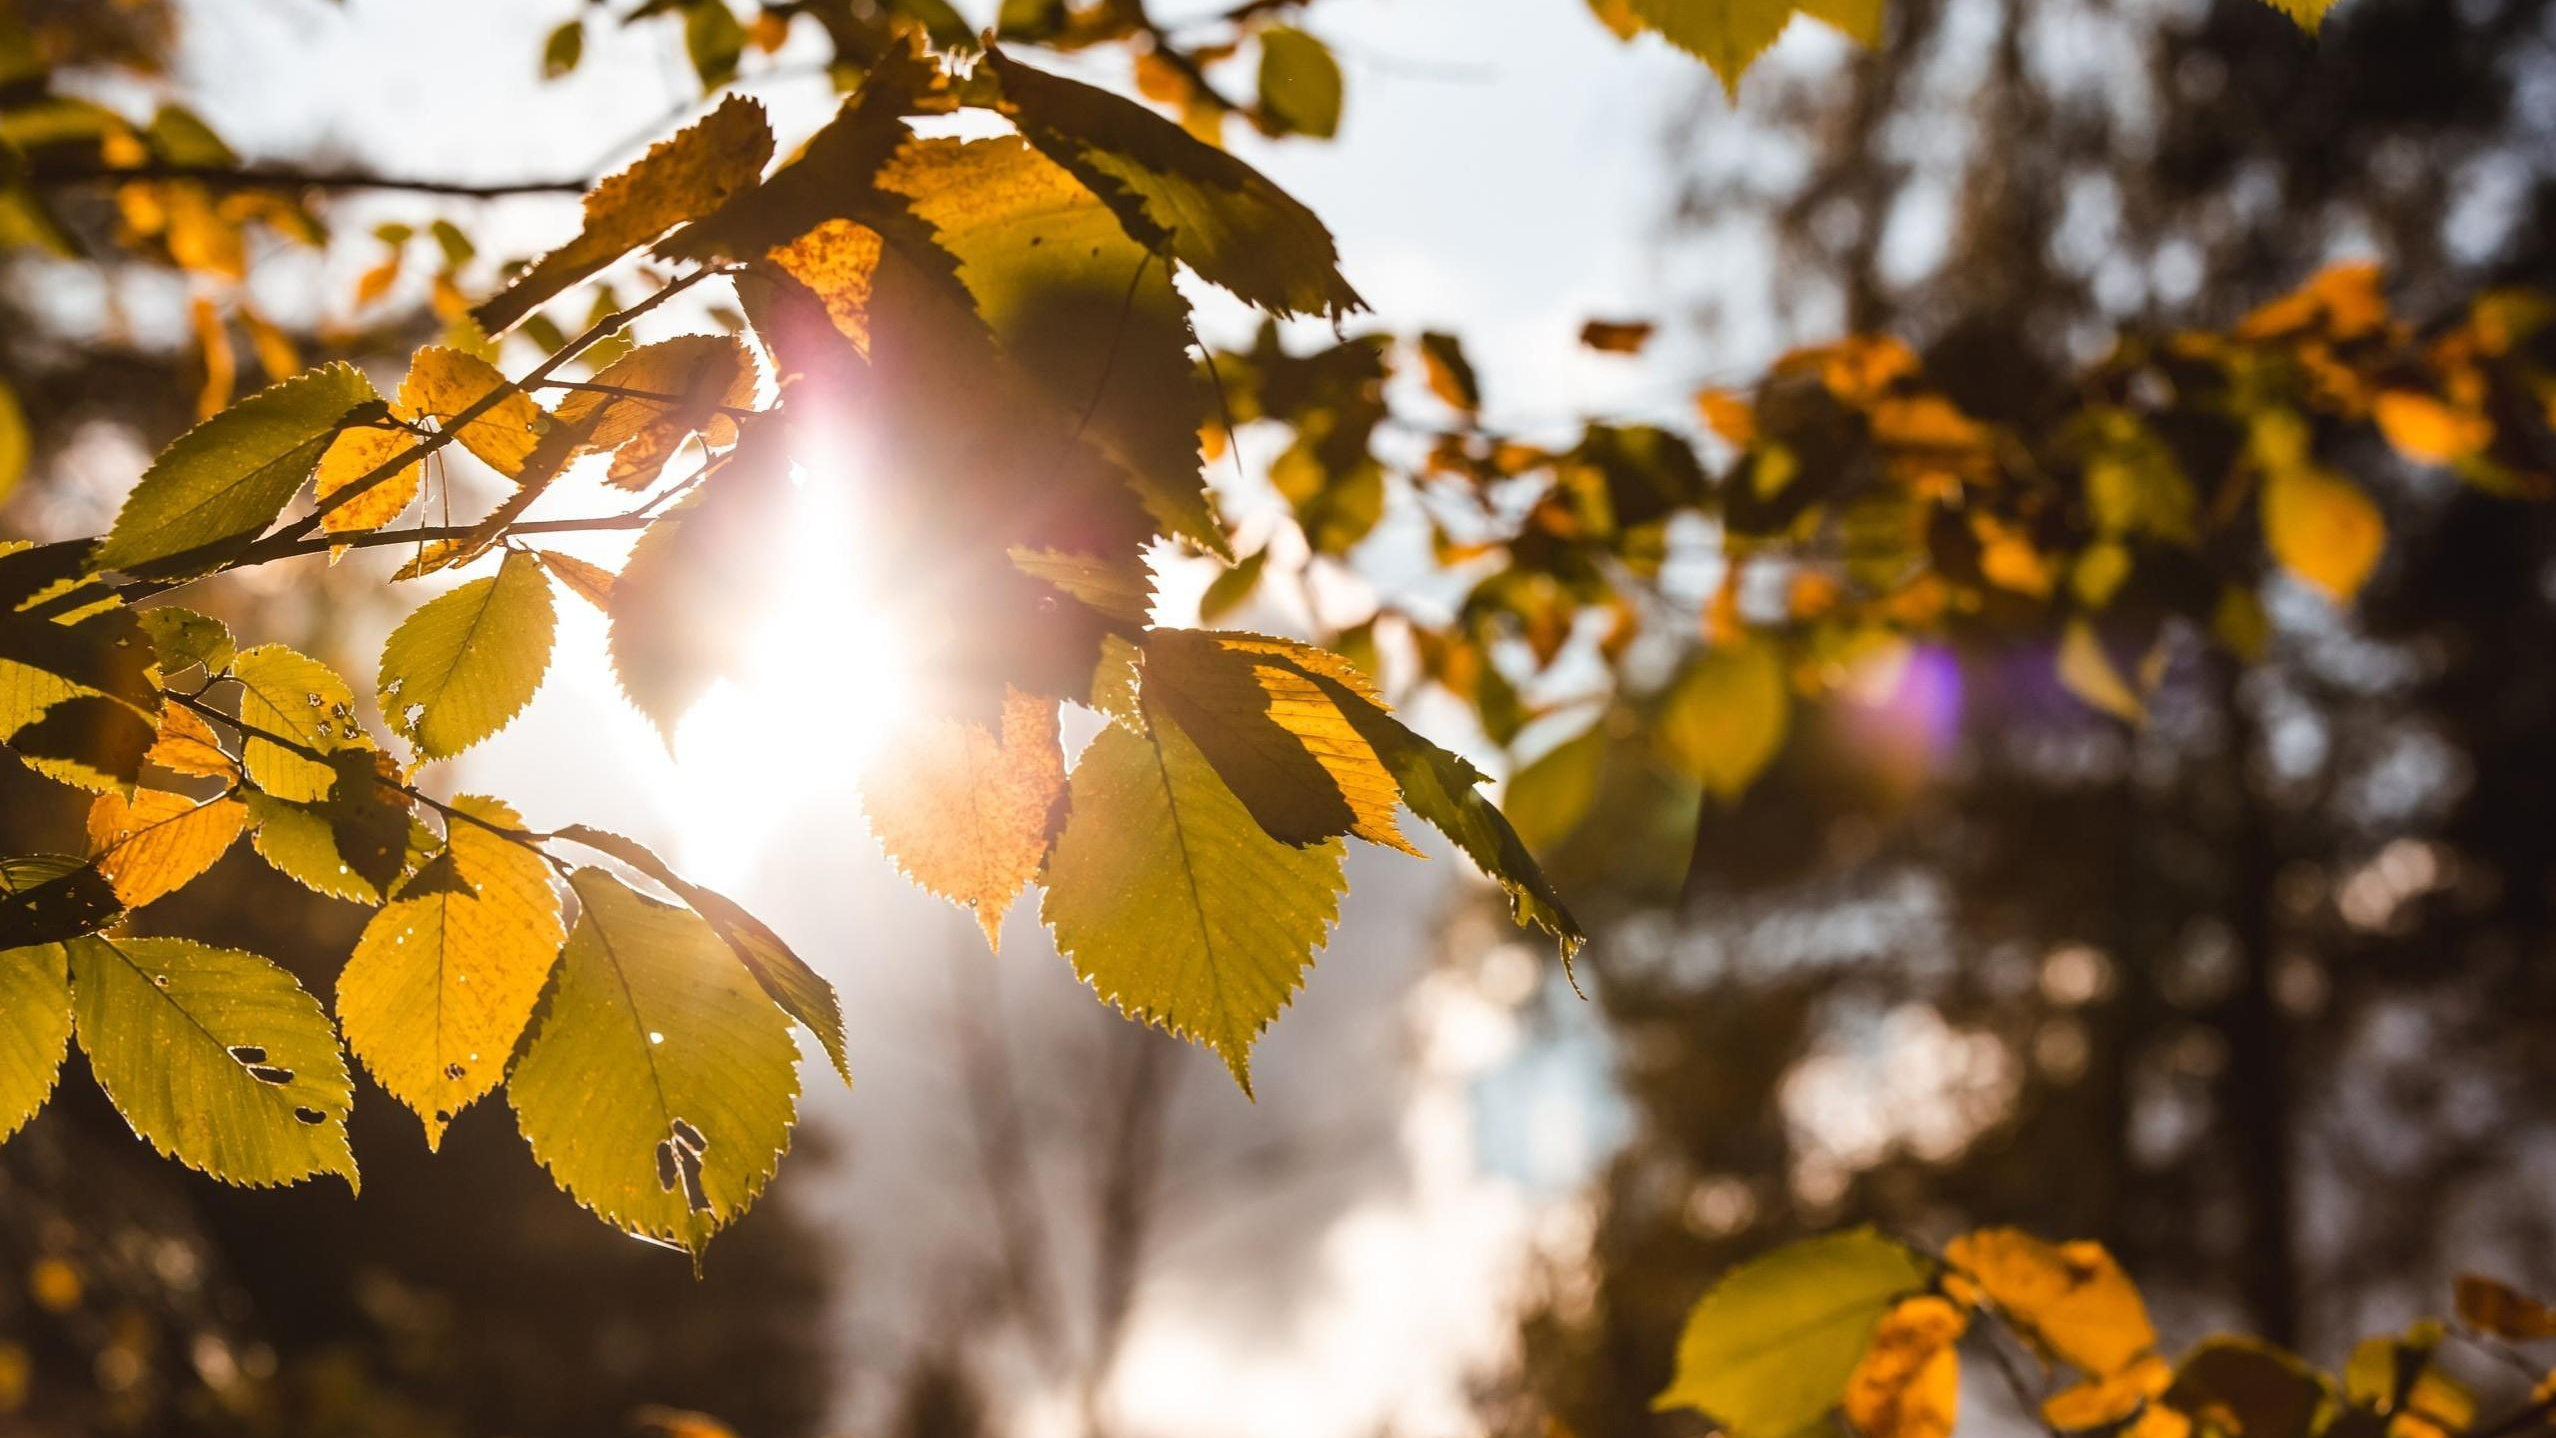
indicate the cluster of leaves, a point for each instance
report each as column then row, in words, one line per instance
column 1864, row 1327
column 1860, row 512
column 942, row 296
column 1729, row 35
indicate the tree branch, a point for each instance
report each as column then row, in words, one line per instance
column 275, row 177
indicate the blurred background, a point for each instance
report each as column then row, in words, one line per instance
column 2256, row 995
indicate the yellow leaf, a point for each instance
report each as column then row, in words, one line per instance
column 1726, row 717
column 2071, row 1299
column 837, row 261
column 589, row 582
column 443, row 383
column 2323, row 529
column 2309, row 13
column 445, row 977
column 1909, row 1382
column 2089, row 673
column 187, row 745
column 2427, row 431
column 159, row 842
column 221, row 362
column 2009, row 559
column 1729, row 35
column 2099, row 1402
column 1729, row 415
column 681, row 179
column 351, row 456
column 2344, row 302
column 965, row 814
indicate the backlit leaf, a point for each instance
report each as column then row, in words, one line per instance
column 352, row 459
column 291, row 696
column 801, row 991
column 216, row 486
column 35, row 1007
column 158, row 842
column 184, row 639
column 188, row 745
column 1173, row 904
column 1729, row 35
column 17, row 441
column 589, row 582
column 468, row 661
column 47, row 898
column 445, row 977
column 661, row 1085
column 445, row 383
column 1274, row 735
column 1176, row 194
column 2491, row 1306
column 1547, row 798
column 966, row 814
column 216, row 1057
column 679, row 180
column 349, row 845
column 1771, row 1348
column 1909, row 1382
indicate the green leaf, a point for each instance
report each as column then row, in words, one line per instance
column 444, row 979
column 1181, row 196
column 1173, row 904
column 1548, row 798
column 661, row 1085
column 1275, row 736
column 714, row 41
column 35, row 1005
column 1726, row 716
column 1445, row 791
column 184, row 639
column 1729, row 35
column 560, row 52
column 801, row 991
column 1232, row 588
column 679, row 180
column 1768, row 1351
column 1299, row 83
column 468, row 661
column 216, row 1057
column 290, row 695
column 219, row 484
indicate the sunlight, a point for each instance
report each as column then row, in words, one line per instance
column 823, row 660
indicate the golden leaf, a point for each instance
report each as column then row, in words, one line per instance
column 837, row 261
column 2425, row 430
column 351, row 456
column 966, row 815
column 159, row 842
column 1909, row 1382
column 2323, row 529
column 2071, row 1299
column 445, row 382
column 187, row 745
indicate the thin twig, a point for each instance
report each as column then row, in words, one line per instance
column 276, row 177
column 247, row 731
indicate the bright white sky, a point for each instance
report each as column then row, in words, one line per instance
column 1499, row 174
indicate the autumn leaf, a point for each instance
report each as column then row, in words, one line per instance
column 444, row 979
column 446, row 383
column 1725, row 718
column 1300, row 85
column 1176, row 194
column 588, row 581
column 1617, row 337
column 661, row 1085
column 35, row 1004
column 1909, row 1382
column 216, row 486
column 466, row 662
column 352, row 458
column 2071, row 1299
column 2491, row 1306
column 157, row 842
column 681, row 179
column 291, row 696
column 2323, row 529
column 216, row 1057
column 966, row 814
column 1173, row 904
column 1729, row 35
column 1275, row 736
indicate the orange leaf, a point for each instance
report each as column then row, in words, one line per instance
column 159, row 842
column 967, row 815
column 1909, row 1382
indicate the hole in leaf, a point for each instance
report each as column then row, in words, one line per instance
column 666, row 1171
column 310, row 1116
column 443, row 1115
column 248, row 1053
column 269, row 1073
column 689, row 1137
column 454, row 1072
